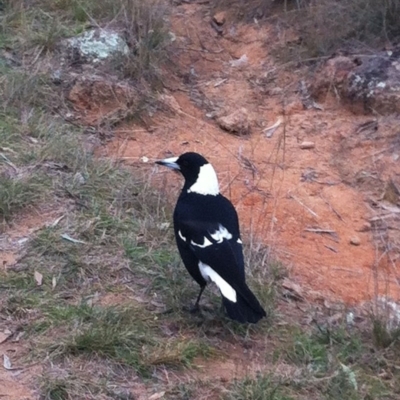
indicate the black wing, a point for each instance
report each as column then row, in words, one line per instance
column 223, row 255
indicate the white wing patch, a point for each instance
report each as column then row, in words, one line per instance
column 181, row 236
column 221, row 234
column 207, row 181
column 210, row 275
column 239, row 241
column 205, row 244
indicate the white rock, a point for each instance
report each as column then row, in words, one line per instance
column 99, row 44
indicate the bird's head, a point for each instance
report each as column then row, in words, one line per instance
column 199, row 174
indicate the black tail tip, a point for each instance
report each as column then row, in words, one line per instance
column 243, row 313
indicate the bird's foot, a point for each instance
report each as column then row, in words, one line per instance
column 192, row 309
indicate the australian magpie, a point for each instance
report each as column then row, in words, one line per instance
column 207, row 233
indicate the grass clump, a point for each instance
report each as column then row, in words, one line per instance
column 175, row 353
column 326, row 26
column 63, row 385
column 263, row 387
column 383, row 335
column 54, row 389
column 113, row 333
column 18, row 192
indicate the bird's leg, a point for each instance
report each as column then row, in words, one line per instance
column 196, row 307
column 222, row 307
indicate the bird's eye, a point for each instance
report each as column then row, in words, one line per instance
column 185, row 163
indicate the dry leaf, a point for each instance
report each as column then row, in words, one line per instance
column 38, row 278
column 295, row 290
column 157, row 396
column 70, row 239
column 55, row 223
column 392, row 193
column 269, row 131
column 6, row 362
column 4, row 336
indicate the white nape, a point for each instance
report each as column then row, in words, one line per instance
column 221, row 234
column 181, row 236
column 206, row 243
column 207, row 182
column 210, row 275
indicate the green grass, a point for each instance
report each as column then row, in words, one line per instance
column 259, row 388
column 383, row 335
column 115, row 334
column 16, row 193
column 56, row 389
column 338, row 362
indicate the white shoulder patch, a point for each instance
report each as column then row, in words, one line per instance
column 207, row 182
column 205, row 244
column 221, row 234
column 181, row 236
column 239, row 241
column 210, row 275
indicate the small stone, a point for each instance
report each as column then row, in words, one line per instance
column 79, row 179
column 240, row 62
column 307, row 145
column 236, row 122
column 350, row 318
column 365, row 227
column 355, row 241
column 219, row 18
column 171, row 103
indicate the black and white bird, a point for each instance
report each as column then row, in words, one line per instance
column 207, row 233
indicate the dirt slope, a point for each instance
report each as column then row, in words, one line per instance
column 306, row 204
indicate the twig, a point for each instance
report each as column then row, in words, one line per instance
column 248, row 164
column 7, row 161
column 377, row 152
column 331, row 207
column 130, row 130
column 269, row 131
column 318, row 230
column 330, row 248
column 302, row 204
column 381, row 217
column 219, row 83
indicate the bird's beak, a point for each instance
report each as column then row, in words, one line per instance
column 170, row 163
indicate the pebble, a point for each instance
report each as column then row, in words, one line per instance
column 307, row 145
column 355, row 241
column 219, row 18
column 365, row 227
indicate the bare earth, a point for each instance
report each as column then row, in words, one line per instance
column 307, row 204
